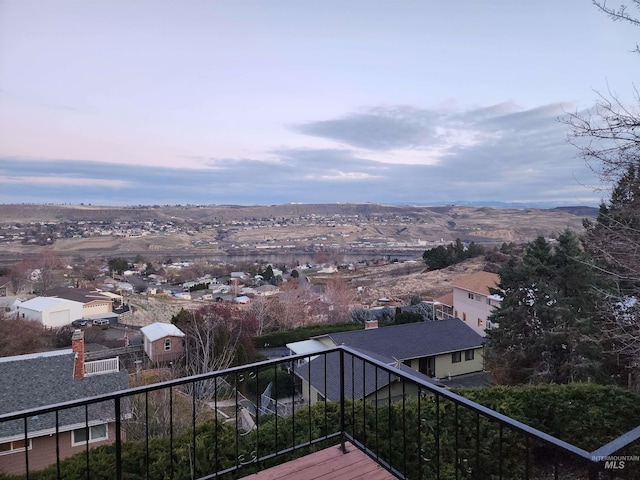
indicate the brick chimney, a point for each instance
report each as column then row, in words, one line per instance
column 369, row 324
column 77, row 345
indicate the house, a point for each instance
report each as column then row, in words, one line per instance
column 9, row 306
column 51, row 312
column 440, row 349
column 473, row 302
column 182, row 295
column 266, row 290
column 94, row 302
column 163, row 342
column 435, row 351
column 328, row 269
column 46, row 378
column 6, row 287
column 360, row 379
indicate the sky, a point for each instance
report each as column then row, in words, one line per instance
column 163, row 102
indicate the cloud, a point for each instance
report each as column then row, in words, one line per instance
column 500, row 153
column 380, row 128
column 63, row 181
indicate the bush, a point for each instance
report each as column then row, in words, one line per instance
column 585, row 415
column 282, row 337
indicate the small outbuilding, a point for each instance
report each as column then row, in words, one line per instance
column 163, row 342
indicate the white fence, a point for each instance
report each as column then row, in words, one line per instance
column 97, row 367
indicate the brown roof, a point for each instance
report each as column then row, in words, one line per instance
column 478, row 282
column 83, row 295
column 446, row 299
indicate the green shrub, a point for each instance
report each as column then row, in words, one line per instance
column 410, row 435
column 282, row 337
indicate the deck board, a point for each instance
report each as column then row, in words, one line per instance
column 327, row 464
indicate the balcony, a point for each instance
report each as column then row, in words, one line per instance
column 97, row 367
column 293, row 415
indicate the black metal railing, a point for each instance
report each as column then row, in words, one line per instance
column 237, row 421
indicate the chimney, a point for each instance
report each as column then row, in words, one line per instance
column 370, row 324
column 77, row 345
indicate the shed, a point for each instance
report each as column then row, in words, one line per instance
column 163, row 342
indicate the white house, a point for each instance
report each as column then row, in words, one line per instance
column 473, row 302
column 50, row 311
column 9, row 305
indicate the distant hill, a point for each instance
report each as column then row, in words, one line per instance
column 579, row 211
column 362, row 229
column 12, row 213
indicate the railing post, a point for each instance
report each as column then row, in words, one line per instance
column 26, row 449
column 594, row 470
column 342, row 393
column 118, row 440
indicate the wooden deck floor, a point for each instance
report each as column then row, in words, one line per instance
column 328, row 464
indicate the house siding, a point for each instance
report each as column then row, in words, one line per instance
column 43, row 452
column 97, row 307
column 445, row 367
column 157, row 353
column 472, row 309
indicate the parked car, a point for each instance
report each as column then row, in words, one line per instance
column 81, row 322
column 101, row 322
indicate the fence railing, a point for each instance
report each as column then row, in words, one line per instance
column 96, row 367
column 101, row 354
column 222, row 425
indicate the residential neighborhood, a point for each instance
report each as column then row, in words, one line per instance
column 319, row 240
column 440, row 349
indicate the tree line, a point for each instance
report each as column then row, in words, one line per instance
column 444, row 256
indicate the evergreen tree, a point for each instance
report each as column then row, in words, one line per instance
column 613, row 240
column 437, row 258
column 441, row 257
column 118, row 265
column 268, row 274
column 545, row 316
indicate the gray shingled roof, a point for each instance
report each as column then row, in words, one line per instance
column 412, row 340
column 359, row 376
column 31, row 381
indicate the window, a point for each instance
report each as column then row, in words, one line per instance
column 96, row 433
column 480, row 322
column 470, row 295
column 479, row 298
column 456, row 357
column 468, row 355
column 167, row 344
column 488, row 301
column 14, row 447
column 464, row 316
